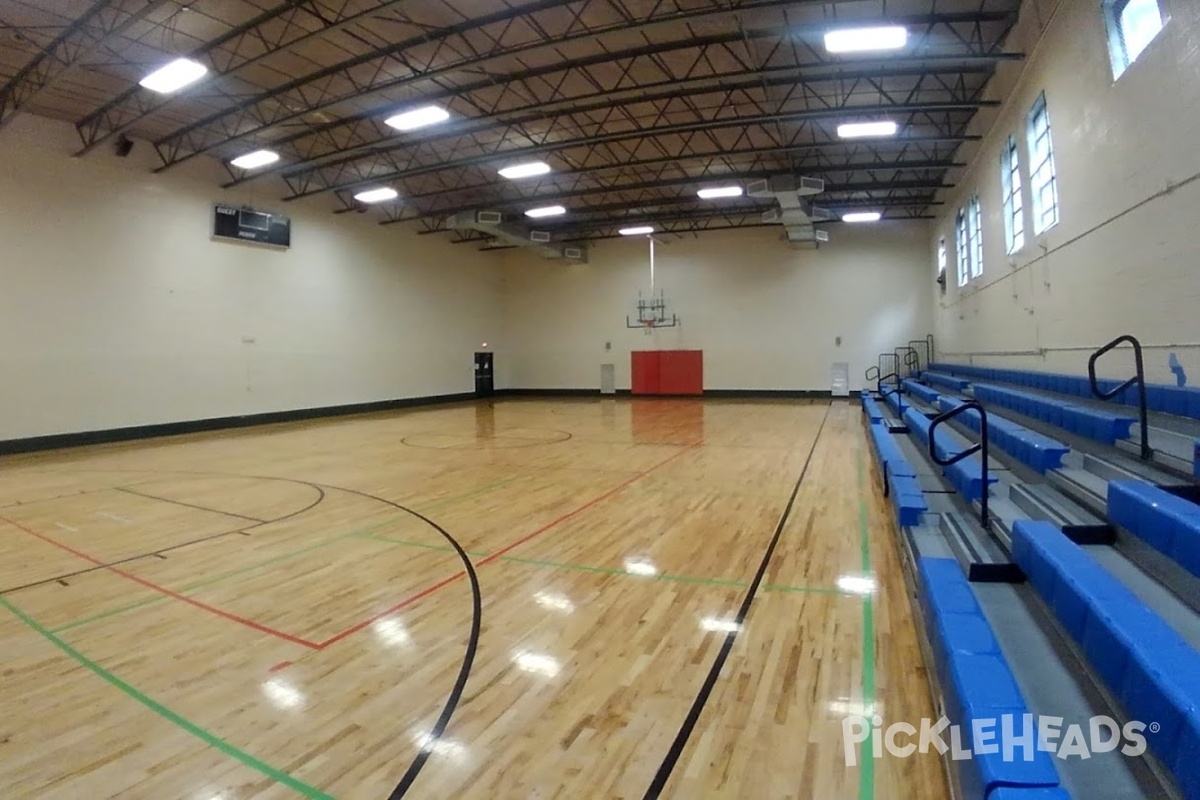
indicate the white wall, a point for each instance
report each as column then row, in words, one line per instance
column 1124, row 257
column 117, row 309
column 765, row 315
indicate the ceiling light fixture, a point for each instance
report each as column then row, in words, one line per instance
column 518, row 171
column 856, row 130
column 858, row 40
column 545, row 211
column 720, row 191
column 174, row 76
column 259, row 158
column 379, row 195
column 639, row 230
column 862, row 216
column 418, row 118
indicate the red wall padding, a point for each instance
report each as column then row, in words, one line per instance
column 678, row 372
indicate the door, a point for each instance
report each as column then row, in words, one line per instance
column 483, row 375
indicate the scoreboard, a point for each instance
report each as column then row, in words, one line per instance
column 245, row 224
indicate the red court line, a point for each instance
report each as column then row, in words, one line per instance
column 428, row 590
column 163, row 590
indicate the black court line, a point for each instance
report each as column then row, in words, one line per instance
column 127, row 490
column 464, row 671
column 693, row 716
column 190, row 542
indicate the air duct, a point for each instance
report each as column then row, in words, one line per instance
column 491, row 223
column 796, row 213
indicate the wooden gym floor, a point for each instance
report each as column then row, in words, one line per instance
column 284, row 611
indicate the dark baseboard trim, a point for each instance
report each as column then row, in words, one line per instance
column 554, row 392
column 62, row 440
column 796, row 394
column 57, row 441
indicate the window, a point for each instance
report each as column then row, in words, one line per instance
column 1132, row 25
column 942, row 257
column 975, row 236
column 1041, row 167
column 960, row 241
column 1010, row 182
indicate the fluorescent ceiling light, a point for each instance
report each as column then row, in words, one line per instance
column 862, row 216
column 377, row 195
column 418, row 118
column 857, row 40
column 259, row 158
column 525, row 170
column 640, row 230
column 174, row 76
column 854, row 130
column 720, row 191
column 545, row 211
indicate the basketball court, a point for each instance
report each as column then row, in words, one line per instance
column 523, row 598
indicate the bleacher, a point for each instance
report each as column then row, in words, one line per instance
column 1169, row 524
column 1103, row 426
column 963, row 475
column 1029, row 447
column 977, row 682
column 1182, row 401
column 1143, row 661
column 1145, row 664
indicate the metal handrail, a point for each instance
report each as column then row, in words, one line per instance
column 902, row 359
column 914, row 362
column 868, row 376
column 896, row 391
column 979, row 447
column 928, row 352
column 893, row 356
column 1139, row 378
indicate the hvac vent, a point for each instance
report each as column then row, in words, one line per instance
column 539, row 236
column 822, row 236
column 758, row 188
column 773, row 215
column 812, row 185
column 822, row 214
column 572, row 252
column 488, row 217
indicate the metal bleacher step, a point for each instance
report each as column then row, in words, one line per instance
column 977, row 551
column 1172, row 450
column 1084, row 487
column 1040, row 501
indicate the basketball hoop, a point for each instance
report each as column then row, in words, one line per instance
column 648, row 326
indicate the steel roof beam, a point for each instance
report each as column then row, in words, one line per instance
column 303, row 184
column 98, row 24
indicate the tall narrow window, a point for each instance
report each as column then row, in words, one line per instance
column 1132, row 25
column 1041, row 167
column 975, row 236
column 960, row 241
column 942, row 257
column 1010, row 182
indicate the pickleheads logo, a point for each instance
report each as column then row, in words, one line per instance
column 1011, row 736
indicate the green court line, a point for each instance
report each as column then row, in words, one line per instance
column 365, row 532
column 866, row 761
column 158, row 708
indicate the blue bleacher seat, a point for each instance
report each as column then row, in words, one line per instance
column 905, row 492
column 1168, row 523
column 924, row 393
column 976, row 680
column 964, row 475
column 946, row 381
column 1028, row 793
column 1103, row 426
column 1142, row 659
column 1029, row 447
column 1181, row 401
